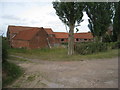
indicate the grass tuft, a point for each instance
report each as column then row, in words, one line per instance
column 60, row 54
column 10, row 72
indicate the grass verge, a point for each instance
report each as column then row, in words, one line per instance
column 60, row 54
column 10, row 73
column 17, row 59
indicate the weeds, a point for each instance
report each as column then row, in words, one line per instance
column 31, row 78
column 17, row 59
column 5, row 48
column 10, row 72
column 60, row 54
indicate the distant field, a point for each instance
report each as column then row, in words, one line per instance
column 59, row 54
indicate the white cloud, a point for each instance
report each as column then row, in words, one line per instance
column 41, row 14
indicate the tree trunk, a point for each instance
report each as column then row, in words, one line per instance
column 71, row 40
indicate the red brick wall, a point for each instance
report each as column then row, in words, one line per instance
column 39, row 40
column 59, row 40
column 51, row 40
column 19, row 43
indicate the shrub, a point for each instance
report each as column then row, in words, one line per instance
column 65, row 43
column 5, row 47
column 114, row 45
column 118, row 44
column 107, row 38
column 91, row 47
column 10, row 72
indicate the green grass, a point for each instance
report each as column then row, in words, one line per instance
column 102, row 55
column 17, row 59
column 10, row 73
column 31, row 78
column 60, row 54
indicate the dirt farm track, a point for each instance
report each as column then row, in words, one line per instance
column 100, row 73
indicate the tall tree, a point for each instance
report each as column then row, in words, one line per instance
column 116, row 22
column 100, row 14
column 69, row 13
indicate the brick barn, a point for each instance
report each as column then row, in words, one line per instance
column 83, row 37
column 78, row 37
column 51, row 39
column 39, row 37
column 61, row 37
column 27, row 37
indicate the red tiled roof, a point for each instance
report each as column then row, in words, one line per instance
column 26, row 34
column 48, row 30
column 76, row 35
column 83, row 35
column 61, row 35
column 17, row 29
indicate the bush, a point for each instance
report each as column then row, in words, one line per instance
column 114, row 45
column 5, row 47
column 10, row 72
column 107, row 38
column 66, row 43
column 118, row 44
column 91, row 47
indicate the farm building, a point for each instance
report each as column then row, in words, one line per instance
column 61, row 37
column 83, row 37
column 14, row 30
column 50, row 37
column 27, row 37
column 39, row 37
column 78, row 37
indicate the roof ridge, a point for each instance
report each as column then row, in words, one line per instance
column 60, row 32
column 48, row 28
column 23, row 26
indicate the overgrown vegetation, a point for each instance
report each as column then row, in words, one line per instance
column 60, row 54
column 89, row 48
column 114, row 45
column 5, row 47
column 95, row 47
column 12, row 58
column 10, row 73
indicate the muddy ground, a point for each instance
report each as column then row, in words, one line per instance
column 100, row 73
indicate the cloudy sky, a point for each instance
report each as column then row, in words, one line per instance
column 34, row 14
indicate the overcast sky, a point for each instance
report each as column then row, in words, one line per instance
column 34, row 14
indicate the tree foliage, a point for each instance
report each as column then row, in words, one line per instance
column 100, row 14
column 116, row 22
column 69, row 13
